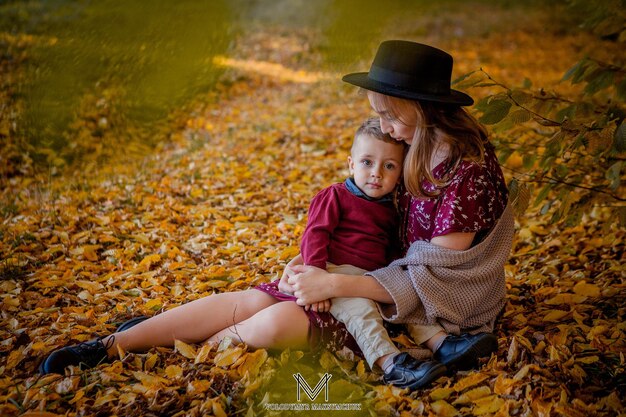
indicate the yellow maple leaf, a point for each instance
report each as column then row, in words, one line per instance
column 555, row 315
column 566, row 298
column 253, row 362
column 469, row 381
column 443, row 409
column 473, row 395
column 173, row 371
column 440, row 393
column 149, row 380
column 149, row 260
column 104, row 399
column 503, row 385
column 487, row 405
column 228, row 356
column 184, row 349
column 203, row 354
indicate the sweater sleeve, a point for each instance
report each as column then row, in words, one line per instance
column 323, row 218
column 395, row 279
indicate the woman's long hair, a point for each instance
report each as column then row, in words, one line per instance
column 435, row 124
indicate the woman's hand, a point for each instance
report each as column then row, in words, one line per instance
column 311, row 284
column 320, row 307
column 283, row 284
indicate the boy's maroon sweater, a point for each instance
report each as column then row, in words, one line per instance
column 345, row 229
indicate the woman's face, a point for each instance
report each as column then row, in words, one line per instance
column 397, row 116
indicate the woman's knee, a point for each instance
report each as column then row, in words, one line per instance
column 246, row 303
column 279, row 326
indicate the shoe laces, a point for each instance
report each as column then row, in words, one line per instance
column 93, row 352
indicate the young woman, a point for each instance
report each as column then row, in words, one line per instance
column 456, row 229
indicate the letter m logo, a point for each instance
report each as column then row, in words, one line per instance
column 312, row 393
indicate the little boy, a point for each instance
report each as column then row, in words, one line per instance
column 352, row 228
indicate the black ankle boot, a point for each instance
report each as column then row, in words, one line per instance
column 86, row 355
column 408, row 372
column 462, row 352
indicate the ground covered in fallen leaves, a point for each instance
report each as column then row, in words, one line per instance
column 221, row 206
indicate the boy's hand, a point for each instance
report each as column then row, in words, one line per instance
column 283, row 284
column 320, row 306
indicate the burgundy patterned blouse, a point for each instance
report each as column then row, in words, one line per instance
column 472, row 202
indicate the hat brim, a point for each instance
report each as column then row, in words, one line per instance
column 361, row 79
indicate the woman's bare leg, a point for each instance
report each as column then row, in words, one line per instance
column 192, row 322
column 278, row 326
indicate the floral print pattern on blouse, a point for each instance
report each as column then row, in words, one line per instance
column 472, row 202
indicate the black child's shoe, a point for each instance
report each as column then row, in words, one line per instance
column 462, row 352
column 408, row 372
column 86, row 355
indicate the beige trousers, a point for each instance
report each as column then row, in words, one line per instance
column 365, row 323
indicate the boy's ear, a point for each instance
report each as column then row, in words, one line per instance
column 351, row 165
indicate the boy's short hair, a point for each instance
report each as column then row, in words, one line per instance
column 371, row 127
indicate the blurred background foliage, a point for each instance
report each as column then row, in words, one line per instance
column 83, row 80
column 573, row 156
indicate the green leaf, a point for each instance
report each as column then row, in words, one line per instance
column 521, row 97
column 568, row 112
column 519, row 196
column 482, row 104
column 495, row 111
column 546, row 122
column 600, row 80
column 561, row 170
column 527, row 83
column 574, row 217
column 575, row 70
column 468, row 80
column 546, row 163
column 504, row 154
column 463, row 77
column 543, row 193
column 520, row 116
column 529, row 160
column 586, row 70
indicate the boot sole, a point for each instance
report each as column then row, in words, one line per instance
column 434, row 374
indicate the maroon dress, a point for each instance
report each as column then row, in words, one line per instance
column 472, row 202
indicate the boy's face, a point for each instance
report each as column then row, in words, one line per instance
column 375, row 165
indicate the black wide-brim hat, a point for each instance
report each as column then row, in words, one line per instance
column 413, row 71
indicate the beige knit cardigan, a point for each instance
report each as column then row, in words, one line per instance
column 461, row 290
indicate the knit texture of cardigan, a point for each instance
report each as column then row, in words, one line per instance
column 463, row 291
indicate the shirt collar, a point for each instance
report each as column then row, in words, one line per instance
column 354, row 189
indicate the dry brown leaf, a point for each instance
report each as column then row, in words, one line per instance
column 487, row 405
column 184, row 349
column 444, row 409
column 441, row 393
column 587, row 290
column 227, row 357
column 474, row 378
column 473, row 395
